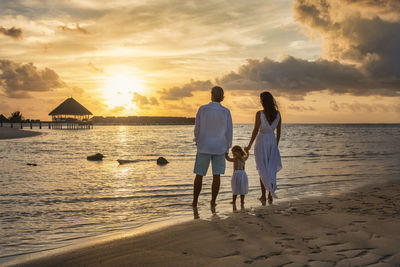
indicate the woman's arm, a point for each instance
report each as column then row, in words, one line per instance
column 278, row 131
column 255, row 131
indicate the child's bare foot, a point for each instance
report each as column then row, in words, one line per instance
column 262, row 199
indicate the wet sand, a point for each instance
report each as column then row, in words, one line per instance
column 359, row 228
column 10, row 133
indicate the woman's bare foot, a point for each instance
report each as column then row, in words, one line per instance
column 270, row 198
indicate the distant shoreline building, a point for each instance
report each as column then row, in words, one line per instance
column 143, row 120
column 71, row 114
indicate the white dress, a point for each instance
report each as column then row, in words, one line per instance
column 268, row 158
column 239, row 182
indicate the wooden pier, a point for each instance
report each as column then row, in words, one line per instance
column 49, row 125
column 69, row 115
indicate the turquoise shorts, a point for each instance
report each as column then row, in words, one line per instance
column 203, row 161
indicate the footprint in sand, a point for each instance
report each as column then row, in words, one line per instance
column 356, row 222
column 307, row 239
column 234, row 253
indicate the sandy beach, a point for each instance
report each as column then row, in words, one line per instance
column 10, row 133
column 359, row 228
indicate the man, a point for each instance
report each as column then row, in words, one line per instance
column 213, row 136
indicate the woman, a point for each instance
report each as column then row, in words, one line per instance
column 268, row 159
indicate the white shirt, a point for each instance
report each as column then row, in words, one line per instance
column 213, row 130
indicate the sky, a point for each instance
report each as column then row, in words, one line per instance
column 334, row 61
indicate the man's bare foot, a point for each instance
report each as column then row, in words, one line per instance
column 262, row 199
column 232, row 202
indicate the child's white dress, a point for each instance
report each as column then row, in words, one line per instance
column 239, row 182
column 268, row 158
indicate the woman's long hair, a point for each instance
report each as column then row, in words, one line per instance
column 269, row 104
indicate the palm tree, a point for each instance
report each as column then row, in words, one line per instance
column 16, row 116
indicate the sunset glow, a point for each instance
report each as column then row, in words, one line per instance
column 119, row 90
column 137, row 58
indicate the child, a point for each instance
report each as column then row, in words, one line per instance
column 239, row 180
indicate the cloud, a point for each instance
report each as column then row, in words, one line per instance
column 291, row 77
column 144, row 102
column 13, row 32
column 18, row 79
column 117, row 109
column 178, row 92
column 77, row 29
column 181, row 106
column 94, row 68
column 77, row 90
column 363, row 107
column 300, row 108
column 294, row 76
column 358, row 32
column 334, row 106
column 361, row 55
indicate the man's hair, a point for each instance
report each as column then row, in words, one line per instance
column 217, row 94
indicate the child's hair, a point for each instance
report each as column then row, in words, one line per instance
column 238, row 150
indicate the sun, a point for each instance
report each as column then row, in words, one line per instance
column 119, row 90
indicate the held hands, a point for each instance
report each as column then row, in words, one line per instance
column 247, row 149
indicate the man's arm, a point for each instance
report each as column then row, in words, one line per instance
column 229, row 131
column 197, row 127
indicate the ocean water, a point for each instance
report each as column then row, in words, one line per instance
column 66, row 198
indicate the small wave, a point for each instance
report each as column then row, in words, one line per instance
column 171, row 185
column 284, row 185
column 96, row 199
column 350, row 155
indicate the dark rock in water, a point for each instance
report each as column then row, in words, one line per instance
column 95, row 157
column 162, row 161
column 31, row 164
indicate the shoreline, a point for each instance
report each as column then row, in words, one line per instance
column 12, row 133
column 356, row 228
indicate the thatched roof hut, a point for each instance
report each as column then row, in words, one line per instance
column 70, row 107
column 71, row 112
